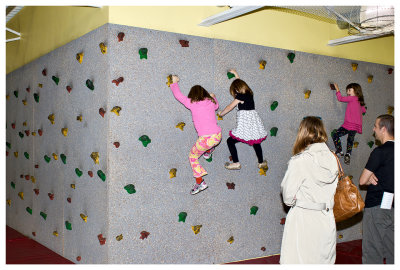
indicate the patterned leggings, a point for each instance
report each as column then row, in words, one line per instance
column 203, row 143
column 350, row 139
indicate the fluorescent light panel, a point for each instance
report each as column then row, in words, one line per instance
column 228, row 14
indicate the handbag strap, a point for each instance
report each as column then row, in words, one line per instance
column 341, row 173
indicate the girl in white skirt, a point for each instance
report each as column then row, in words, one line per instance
column 249, row 128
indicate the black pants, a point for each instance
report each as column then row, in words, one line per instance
column 350, row 139
column 232, row 148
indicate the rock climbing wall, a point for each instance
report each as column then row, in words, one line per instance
column 142, row 212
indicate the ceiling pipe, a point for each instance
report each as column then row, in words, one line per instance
column 228, row 14
column 12, row 13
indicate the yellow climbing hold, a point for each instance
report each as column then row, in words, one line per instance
column 16, row 154
column 24, row 102
column 116, row 110
column 7, row 97
column 83, row 217
column 340, row 236
column 95, row 157
column 180, row 125
column 230, row 240
column 172, row 173
column 119, row 237
column 169, row 80
column 51, row 118
column 9, row 202
column 355, row 144
column 21, row 195
column 24, row 124
column 370, row 77
column 103, row 48
column 73, row 186
column 263, row 171
column 219, row 117
column 40, row 85
column 354, row 66
column 33, row 133
column 262, row 64
column 390, row 110
column 79, row 57
column 64, row 131
column 55, row 233
column 307, row 94
column 55, row 156
column 79, row 118
column 33, row 179
column 196, row 229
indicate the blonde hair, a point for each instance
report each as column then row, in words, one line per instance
column 311, row 130
column 239, row 86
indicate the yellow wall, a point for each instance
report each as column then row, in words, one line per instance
column 47, row 28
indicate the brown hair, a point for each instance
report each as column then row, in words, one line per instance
column 311, row 130
column 198, row 93
column 239, row 86
column 358, row 92
column 387, row 121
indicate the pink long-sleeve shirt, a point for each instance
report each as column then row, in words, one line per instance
column 354, row 111
column 203, row 112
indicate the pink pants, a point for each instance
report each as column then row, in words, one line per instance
column 202, row 144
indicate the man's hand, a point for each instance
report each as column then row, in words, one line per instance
column 373, row 180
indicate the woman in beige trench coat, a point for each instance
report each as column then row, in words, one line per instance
column 309, row 187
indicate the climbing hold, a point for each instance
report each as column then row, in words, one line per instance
column 273, row 131
column 83, row 217
column 370, row 144
column 26, row 154
column 16, row 93
column 172, row 173
column 144, row 234
column 95, row 157
column 36, row 190
column 180, row 125
column 78, row 172
column 103, row 48
column 230, row 185
column 73, row 186
column 21, row 195
column 145, row 140
column 274, row 105
column 370, row 77
column 90, row 84
column 184, row 43
column 7, row 97
column 333, row 132
column 47, row 158
column 230, row 240
column 262, row 64
column 102, row 112
column 307, row 94
column 27, row 177
column 354, row 66
column 143, row 53
column 69, row 89
column 79, row 57
column 69, row 199
column 351, row 177
column 116, row 110
column 33, row 133
column 43, row 215
column 13, row 125
column 68, row 225
column 33, row 179
column 6, row 153
column 130, row 188
column 219, row 117
column 90, row 173
column 40, row 85
column 390, row 70
column 37, row 166
column 355, row 144
column 209, row 159
column 24, row 124
column 169, row 80
column 118, row 81
column 79, row 118
column 196, row 228
column 24, row 102
column 16, row 154
column 263, row 171
column 182, row 217
column 40, row 132
column 36, row 97
column 55, row 233
column 64, row 131
column 34, row 233
column 13, row 185
column 44, row 72
column 116, row 144
column 340, row 236
column 390, row 110
column 55, row 156
column 332, row 86
column 51, row 118
column 56, row 79
column 63, row 158
column 102, row 240
column 28, row 90
column 51, row 196
column 230, row 75
column 119, row 237
column 121, row 36
column 291, row 57
column 78, row 258
column 263, row 249
column 21, row 134
column 27, row 132
column 283, row 220
column 29, row 210
column 101, row 175
column 8, row 145
column 253, row 210
column 9, row 202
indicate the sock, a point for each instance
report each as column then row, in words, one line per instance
column 199, row 180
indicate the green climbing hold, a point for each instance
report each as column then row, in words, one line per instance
column 90, row 84
column 47, row 158
column 68, row 225
column 26, row 154
column 36, row 97
column 8, row 145
column 182, row 216
column 209, row 159
column 333, row 132
column 274, row 105
column 63, row 158
column 230, row 75
column 291, row 57
column 253, row 210
column 370, row 144
column 13, row 185
column 55, row 79
column 130, row 188
column 101, row 175
column 273, row 131
column 145, row 140
column 21, row 134
column 16, row 93
column 44, row 215
column 78, row 172
column 143, row 53
column 29, row 210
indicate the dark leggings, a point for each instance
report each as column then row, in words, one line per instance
column 350, row 139
column 232, row 148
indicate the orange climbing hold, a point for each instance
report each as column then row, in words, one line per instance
column 262, row 64
column 102, row 112
column 354, row 66
column 118, row 81
column 307, row 94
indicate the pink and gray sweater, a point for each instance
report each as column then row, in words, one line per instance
column 354, row 111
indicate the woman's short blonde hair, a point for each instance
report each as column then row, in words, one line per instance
column 311, row 130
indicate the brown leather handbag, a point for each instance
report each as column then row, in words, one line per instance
column 348, row 200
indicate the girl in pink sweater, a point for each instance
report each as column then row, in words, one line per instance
column 203, row 106
column 352, row 119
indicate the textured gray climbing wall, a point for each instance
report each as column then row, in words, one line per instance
column 149, row 108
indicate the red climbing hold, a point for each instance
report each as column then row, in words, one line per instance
column 69, row 199
column 116, row 144
column 51, row 196
column 121, row 36
column 78, row 258
column 34, row 233
column 36, row 190
column 69, row 89
column 283, row 220
column 36, row 166
column 90, row 173
column 27, row 177
column 27, row 132
column 102, row 112
column 40, row 132
column 44, row 72
column 184, row 43
column 102, row 240
column 144, row 235
column 263, row 249
column 28, row 90
column 230, row 185
column 13, row 125
column 21, row 176
column 6, row 153
column 118, row 81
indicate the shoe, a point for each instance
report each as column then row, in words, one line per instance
column 198, row 187
column 263, row 164
column 347, row 159
column 339, row 154
column 233, row 166
column 207, row 155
